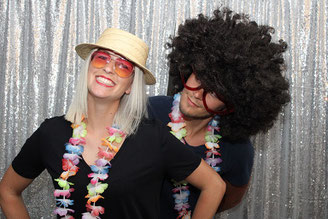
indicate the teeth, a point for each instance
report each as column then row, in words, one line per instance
column 105, row 81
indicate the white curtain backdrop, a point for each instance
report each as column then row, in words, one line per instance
column 39, row 67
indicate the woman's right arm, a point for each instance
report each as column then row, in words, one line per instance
column 11, row 187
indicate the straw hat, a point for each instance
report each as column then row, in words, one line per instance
column 124, row 43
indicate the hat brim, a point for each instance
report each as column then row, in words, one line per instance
column 84, row 49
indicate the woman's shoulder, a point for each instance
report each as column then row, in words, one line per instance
column 55, row 123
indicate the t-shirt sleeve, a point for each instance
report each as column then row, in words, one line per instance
column 28, row 162
column 179, row 161
column 241, row 158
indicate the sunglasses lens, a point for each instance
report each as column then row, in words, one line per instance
column 212, row 100
column 123, row 68
column 189, row 86
column 100, row 59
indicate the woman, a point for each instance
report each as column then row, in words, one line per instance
column 105, row 158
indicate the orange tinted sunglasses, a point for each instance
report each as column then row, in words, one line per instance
column 122, row 67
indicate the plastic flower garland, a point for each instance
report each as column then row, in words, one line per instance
column 74, row 148
column 177, row 125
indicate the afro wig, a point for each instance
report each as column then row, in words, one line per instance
column 234, row 57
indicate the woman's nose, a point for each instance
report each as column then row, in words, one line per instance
column 110, row 66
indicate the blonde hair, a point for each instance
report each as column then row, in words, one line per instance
column 132, row 106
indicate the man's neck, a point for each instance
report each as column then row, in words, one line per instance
column 196, row 130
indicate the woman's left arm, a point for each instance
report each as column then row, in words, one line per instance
column 212, row 189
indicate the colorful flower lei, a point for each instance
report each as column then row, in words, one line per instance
column 74, row 148
column 177, row 125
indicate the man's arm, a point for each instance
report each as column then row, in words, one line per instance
column 232, row 196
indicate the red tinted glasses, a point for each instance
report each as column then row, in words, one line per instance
column 122, row 67
column 209, row 97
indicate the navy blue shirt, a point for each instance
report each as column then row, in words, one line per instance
column 236, row 165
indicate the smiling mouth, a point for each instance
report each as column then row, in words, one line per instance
column 191, row 103
column 104, row 81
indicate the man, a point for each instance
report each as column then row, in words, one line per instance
column 229, row 74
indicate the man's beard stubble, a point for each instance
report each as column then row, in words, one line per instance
column 188, row 116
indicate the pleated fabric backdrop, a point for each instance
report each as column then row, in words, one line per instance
column 39, row 67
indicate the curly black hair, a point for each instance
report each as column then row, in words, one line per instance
column 234, row 57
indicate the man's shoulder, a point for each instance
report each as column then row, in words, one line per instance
column 240, row 146
column 159, row 107
column 160, row 100
column 241, row 150
column 239, row 143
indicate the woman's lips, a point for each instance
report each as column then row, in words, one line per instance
column 104, row 81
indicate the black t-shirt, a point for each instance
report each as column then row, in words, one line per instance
column 136, row 175
column 236, row 165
